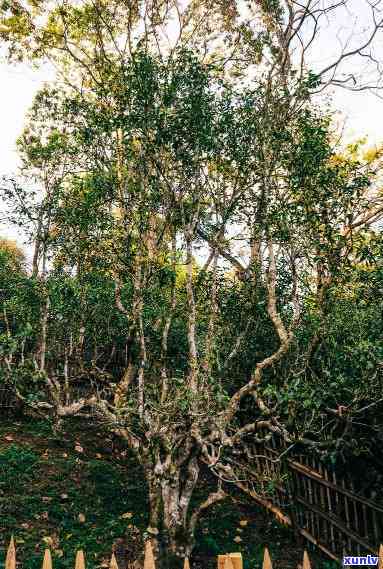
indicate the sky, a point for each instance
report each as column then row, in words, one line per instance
column 18, row 85
column 361, row 111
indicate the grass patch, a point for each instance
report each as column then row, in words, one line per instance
column 65, row 499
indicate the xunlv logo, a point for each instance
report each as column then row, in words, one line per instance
column 368, row 560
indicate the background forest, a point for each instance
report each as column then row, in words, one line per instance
column 205, row 247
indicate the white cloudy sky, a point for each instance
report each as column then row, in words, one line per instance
column 18, row 86
column 362, row 111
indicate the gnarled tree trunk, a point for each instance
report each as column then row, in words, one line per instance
column 170, row 492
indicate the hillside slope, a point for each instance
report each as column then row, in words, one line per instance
column 87, row 491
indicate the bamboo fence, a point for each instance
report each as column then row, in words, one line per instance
column 322, row 509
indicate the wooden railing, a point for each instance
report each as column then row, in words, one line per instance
column 324, row 510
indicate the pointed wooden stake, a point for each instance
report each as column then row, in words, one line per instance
column 80, row 561
column 149, row 557
column 306, row 561
column 113, row 562
column 380, row 562
column 266, row 560
column 47, row 561
column 10, row 560
column 186, row 563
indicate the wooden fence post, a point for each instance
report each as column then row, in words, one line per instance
column 306, row 561
column 228, row 563
column 47, row 561
column 80, row 561
column 10, row 560
column 235, row 558
column 266, row 560
column 149, row 557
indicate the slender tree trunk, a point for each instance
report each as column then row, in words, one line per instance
column 44, row 328
column 193, row 356
column 36, row 253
